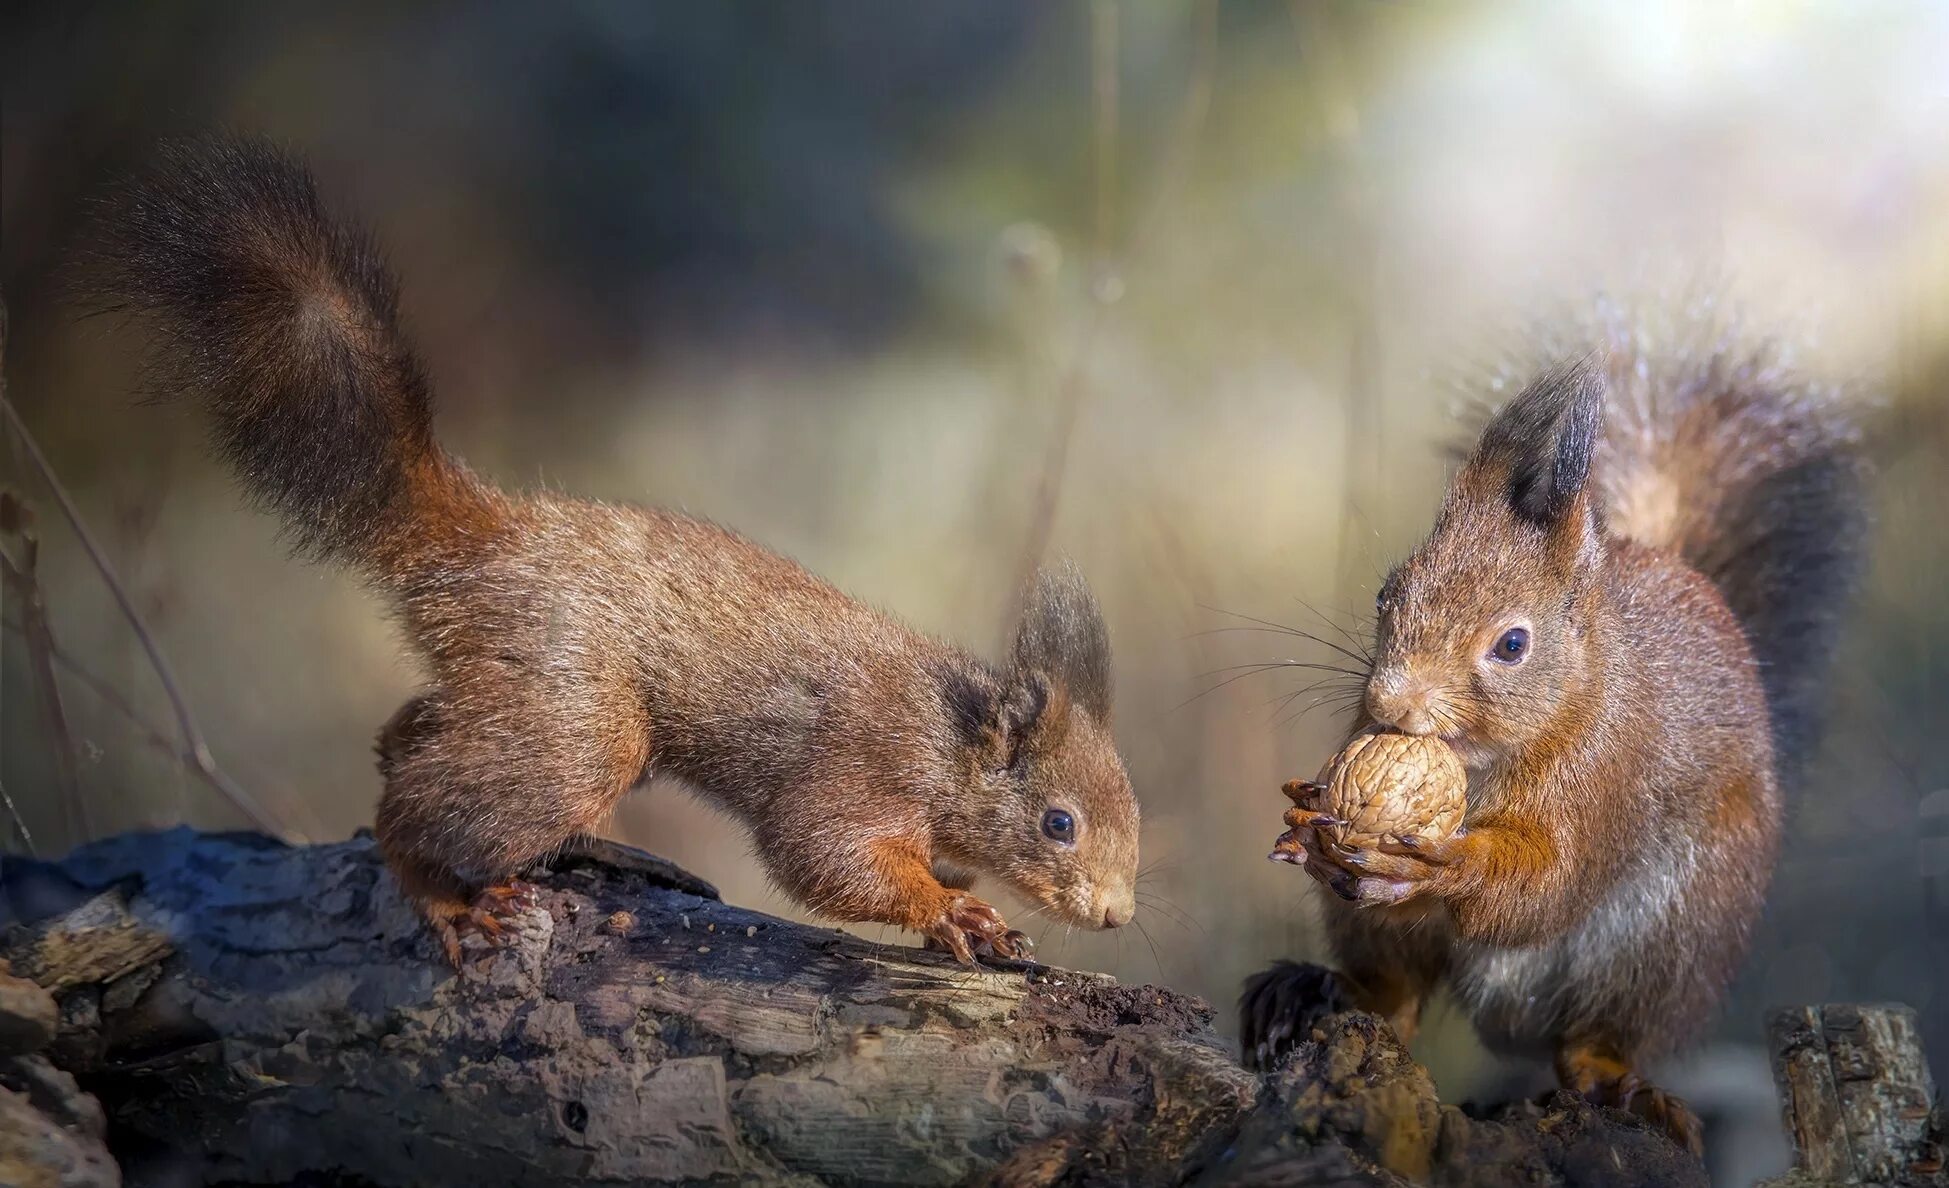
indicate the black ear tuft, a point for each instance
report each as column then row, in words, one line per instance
column 1545, row 439
column 993, row 714
column 973, row 704
column 1021, row 711
column 1062, row 634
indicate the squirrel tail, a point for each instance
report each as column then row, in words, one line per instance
column 284, row 322
column 1757, row 478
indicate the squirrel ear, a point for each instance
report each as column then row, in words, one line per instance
column 1020, row 711
column 995, row 716
column 1062, row 634
column 1542, row 442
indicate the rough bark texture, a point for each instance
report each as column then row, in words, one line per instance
column 1859, row 1102
column 250, row 1013
column 51, row 1133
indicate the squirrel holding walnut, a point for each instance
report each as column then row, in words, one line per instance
column 577, row 648
column 1621, row 624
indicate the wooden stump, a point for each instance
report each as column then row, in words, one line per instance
column 1860, row 1105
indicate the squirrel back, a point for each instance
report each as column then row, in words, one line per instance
column 576, row 648
column 1754, row 475
column 284, row 321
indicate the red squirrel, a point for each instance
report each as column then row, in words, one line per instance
column 1621, row 622
column 576, row 648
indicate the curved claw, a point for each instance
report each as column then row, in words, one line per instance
column 489, row 916
column 1669, row 1113
column 1014, row 944
column 967, row 927
column 1407, row 845
column 1300, row 792
column 1301, row 818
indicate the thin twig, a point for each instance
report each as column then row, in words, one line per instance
column 1105, row 39
column 19, row 823
column 197, row 750
column 153, row 735
column 1107, row 280
column 18, row 576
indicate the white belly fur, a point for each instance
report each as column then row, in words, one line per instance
column 1520, row 998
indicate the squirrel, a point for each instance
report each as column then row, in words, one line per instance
column 576, row 647
column 1621, row 621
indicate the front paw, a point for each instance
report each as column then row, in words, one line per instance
column 968, row 928
column 1394, row 870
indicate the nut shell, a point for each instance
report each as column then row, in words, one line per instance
column 1393, row 784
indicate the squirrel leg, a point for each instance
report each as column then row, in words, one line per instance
column 1386, row 966
column 1390, row 963
column 891, row 881
column 1278, row 1006
column 1601, row 1073
column 958, row 880
column 473, row 796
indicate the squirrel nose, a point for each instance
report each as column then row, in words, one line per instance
column 1399, row 701
column 1118, row 907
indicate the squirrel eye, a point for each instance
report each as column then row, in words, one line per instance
column 1058, row 825
column 1512, row 647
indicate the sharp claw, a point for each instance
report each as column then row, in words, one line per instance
column 1323, row 821
column 1300, row 791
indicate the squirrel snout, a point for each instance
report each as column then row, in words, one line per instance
column 1118, row 906
column 1400, row 701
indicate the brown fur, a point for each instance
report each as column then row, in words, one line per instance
column 576, row 648
column 1624, row 804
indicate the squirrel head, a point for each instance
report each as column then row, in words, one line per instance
column 1056, row 818
column 1483, row 635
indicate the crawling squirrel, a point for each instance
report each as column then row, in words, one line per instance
column 1621, row 622
column 577, row 648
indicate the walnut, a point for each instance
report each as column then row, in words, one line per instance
column 1382, row 784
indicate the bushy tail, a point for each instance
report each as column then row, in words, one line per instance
column 284, row 322
column 1757, row 478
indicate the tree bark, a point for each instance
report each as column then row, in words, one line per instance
column 1859, row 1102
column 265, row 1012
column 252, row 1013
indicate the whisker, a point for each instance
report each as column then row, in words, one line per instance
column 1303, row 690
column 1358, row 643
column 1360, row 658
column 1265, row 664
column 1255, row 669
column 1339, row 701
column 1270, row 625
column 1145, row 933
column 1173, row 913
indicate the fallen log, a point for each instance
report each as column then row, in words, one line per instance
column 253, row 1013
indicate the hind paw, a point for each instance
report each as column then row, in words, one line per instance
column 489, row 917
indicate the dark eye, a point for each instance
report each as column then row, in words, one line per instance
column 1512, row 647
column 1058, row 825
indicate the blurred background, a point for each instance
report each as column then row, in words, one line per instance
column 915, row 292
